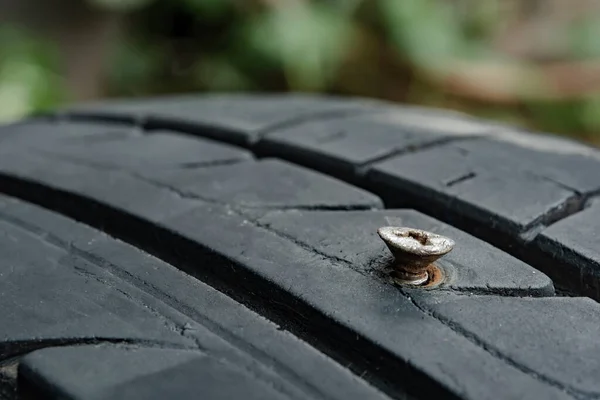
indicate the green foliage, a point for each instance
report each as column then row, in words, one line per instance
column 403, row 50
column 308, row 41
column 28, row 81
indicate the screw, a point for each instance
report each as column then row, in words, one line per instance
column 414, row 250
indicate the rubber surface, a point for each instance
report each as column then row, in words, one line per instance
column 226, row 247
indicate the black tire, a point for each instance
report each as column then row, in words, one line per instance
column 226, row 247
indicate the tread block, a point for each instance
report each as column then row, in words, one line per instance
column 159, row 149
column 267, row 183
column 83, row 373
column 454, row 178
column 555, row 338
column 473, row 266
column 213, row 321
column 234, row 118
column 158, row 193
column 564, row 162
column 115, row 188
column 572, row 244
column 341, row 145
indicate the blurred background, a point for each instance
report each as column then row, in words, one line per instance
column 534, row 63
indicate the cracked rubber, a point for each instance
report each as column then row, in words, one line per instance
column 225, row 247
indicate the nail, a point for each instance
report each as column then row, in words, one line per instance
column 414, row 250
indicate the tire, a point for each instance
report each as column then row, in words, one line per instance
column 225, row 247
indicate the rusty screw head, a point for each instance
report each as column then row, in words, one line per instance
column 414, row 250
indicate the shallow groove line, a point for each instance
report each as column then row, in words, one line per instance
column 256, row 223
column 169, row 323
column 460, row 179
column 313, row 117
column 362, row 169
column 106, row 167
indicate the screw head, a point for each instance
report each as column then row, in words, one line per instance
column 414, row 250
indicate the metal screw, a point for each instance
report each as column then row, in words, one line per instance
column 414, row 250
